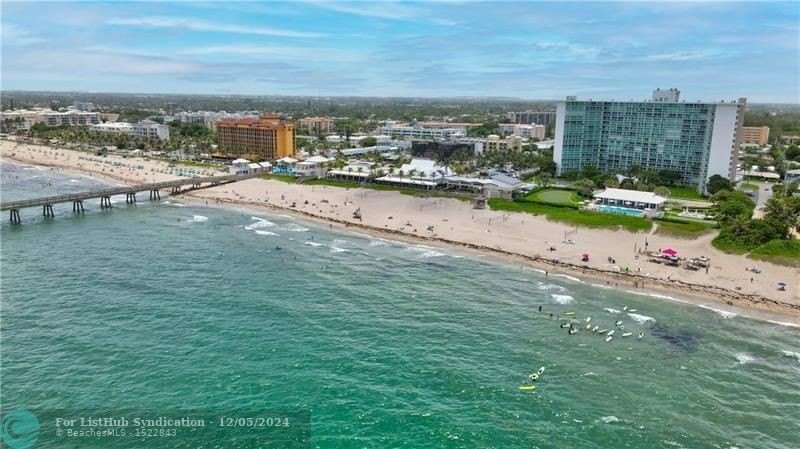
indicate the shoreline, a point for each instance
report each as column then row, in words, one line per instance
column 697, row 294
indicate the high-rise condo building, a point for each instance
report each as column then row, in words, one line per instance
column 696, row 139
column 266, row 138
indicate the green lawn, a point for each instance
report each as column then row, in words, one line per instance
column 388, row 188
column 576, row 217
column 687, row 193
column 556, row 196
column 782, row 252
column 748, row 186
column 284, row 178
column 686, row 230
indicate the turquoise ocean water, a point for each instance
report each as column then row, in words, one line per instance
column 167, row 308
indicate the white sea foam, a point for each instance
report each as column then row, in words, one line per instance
column 792, row 354
column 641, row 319
column 722, row 313
column 199, row 218
column 313, row 244
column 377, row 243
column 339, row 250
column 744, row 358
column 176, row 204
column 609, row 419
column 601, row 286
column 292, row 227
column 259, row 232
column 73, row 180
column 571, row 278
column 424, row 252
column 548, row 287
column 259, row 223
column 781, row 323
column 610, row 310
column 562, row 299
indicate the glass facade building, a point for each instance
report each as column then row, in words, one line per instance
column 697, row 140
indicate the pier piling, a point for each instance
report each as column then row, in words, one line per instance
column 47, row 211
column 15, row 216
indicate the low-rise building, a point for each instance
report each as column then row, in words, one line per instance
column 240, row 167
column 417, row 131
column 532, row 131
column 148, row 129
column 113, row 127
column 758, row 135
column 632, row 199
column 356, row 170
column 792, row 176
column 511, row 143
column 312, row 167
column 422, row 173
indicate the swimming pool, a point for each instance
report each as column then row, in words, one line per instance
column 620, row 210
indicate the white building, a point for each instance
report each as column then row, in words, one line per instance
column 240, row 167
column 314, row 167
column 497, row 185
column 360, row 170
column 113, row 127
column 630, row 199
column 532, row 131
column 419, row 173
column 149, row 129
column 418, row 131
column 70, row 117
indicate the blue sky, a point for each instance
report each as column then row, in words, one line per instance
column 534, row 50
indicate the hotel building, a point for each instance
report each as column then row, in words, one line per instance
column 266, row 138
column 528, row 117
column 696, row 139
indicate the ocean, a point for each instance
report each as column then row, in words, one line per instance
column 168, row 309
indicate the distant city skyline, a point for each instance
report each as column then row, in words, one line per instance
column 529, row 50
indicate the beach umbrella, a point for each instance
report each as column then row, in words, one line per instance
column 585, row 254
column 670, row 251
column 782, row 284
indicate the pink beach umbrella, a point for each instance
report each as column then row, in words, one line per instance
column 670, row 251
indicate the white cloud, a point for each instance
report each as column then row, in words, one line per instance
column 16, row 35
column 202, row 25
column 379, row 10
column 684, row 55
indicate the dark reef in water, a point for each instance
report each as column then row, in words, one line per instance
column 683, row 340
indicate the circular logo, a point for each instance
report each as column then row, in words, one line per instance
column 20, row 429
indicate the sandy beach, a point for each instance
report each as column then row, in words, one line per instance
column 523, row 238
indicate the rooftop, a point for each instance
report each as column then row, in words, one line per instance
column 633, row 196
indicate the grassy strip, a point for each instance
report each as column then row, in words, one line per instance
column 289, row 179
column 682, row 229
column 686, row 193
column 576, row 217
column 748, row 186
column 781, row 252
column 387, row 188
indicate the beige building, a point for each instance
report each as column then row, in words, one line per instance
column 317, row 125
column 495, row 143
column 267, row 138
column 755, row 134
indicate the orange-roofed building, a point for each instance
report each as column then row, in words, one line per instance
column 268, row 137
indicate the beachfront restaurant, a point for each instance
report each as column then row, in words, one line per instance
column 632, row 199
column 419, row 173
